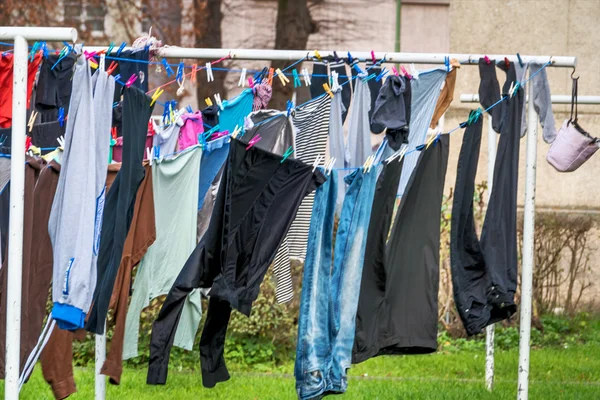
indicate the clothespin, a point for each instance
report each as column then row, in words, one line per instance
column 329, row 166
column 32, row 118
column 218, row 101
column 284, row 79
column 297, row 81
column 61, row 141
column 149, row 155
column 306, row 76
column 328, row 90
column 270, row 78
column 373, row 57
column 194, row 70
column 27, row 143
column 93, row 63
column 350, row 59
column 520, row 60
column 115, row 104
column 395, row 71
column 506, row 62
column 180, row 78
column 317, row 161
column 383, row 72
column 236, row 131
column 289, row 107
column 318, row 55
column 368, row 78
column 414, row 74
column 117, row 77
column 368, row 163
column 111, row 68
column 242, row 81
column 63, row 53
column 120, row 49
column 357, row 68
column 335, row 56
column 209, row 73
column 44, row 48
column 447, row 63
column 156, row 152
column 179, row 74
column 208, row 101
column 260, row 75
column 168, row 68
column 288, row 153
column 61, row 116
column 250, row 83
column 335, row 83
column 131, row 80
column 432, row 139
column 189, row 109
column 514, row 89
column 102, row 61
column 208, row 133
column 34, row 49
column 487, row 60
column 253, row 141
column 111, row 46
column 474, row 116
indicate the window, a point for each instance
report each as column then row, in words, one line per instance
column 85, row 15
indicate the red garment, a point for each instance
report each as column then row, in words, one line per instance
column 6, row 83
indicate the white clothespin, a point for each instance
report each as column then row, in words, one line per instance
column 398, row 154
column 32, row 118
column 329, row 166
column 218, row 101
column 149, row 155
column 242, row 81
column 306, row 76
column 102, row 62
column 181, row 89
column 209, row 73
column 335, row 84
column 317, row 161
column 414, row 72
column 61, row 141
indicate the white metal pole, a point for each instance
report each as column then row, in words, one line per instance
column 490, row 330
column 100, row 380
column 527, row 254
column 556, row 99
column 15, row 229
column 47, row 34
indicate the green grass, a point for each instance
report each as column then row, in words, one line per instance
column 556, row 373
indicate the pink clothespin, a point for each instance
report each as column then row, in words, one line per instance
column 487, row 60
column 373, row 57
column 251, row 83
column 89, row 55
column 405, row 72
column 395, row 71
column 217, row 135
column 131, row 80
column 253, row 141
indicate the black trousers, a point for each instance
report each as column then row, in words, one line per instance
column 120, row 201
column 319, row 77
column 484, row 272
column 398, row 306
column 257, row 201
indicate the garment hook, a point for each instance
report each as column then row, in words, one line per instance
column 573, row 72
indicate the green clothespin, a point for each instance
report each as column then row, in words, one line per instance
column 209, row 133
column 297, row 81
column 287, row 153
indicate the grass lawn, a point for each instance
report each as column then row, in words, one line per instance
column 556, row 373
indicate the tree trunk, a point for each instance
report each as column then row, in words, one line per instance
column 208, row 17
column 294, row 25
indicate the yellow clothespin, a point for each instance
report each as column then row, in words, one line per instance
column 318, row 55
column 282, row 77
column 208, row 101
column 156, row 95
column 236, row 131
column 328, row 90
column 431, row 140
column 32, row 118
column 367, row 163
column 93, row 64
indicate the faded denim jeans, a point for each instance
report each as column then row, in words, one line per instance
column 330, row 295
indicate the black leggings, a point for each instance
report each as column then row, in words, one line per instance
column 257, row 201
column 119, row 204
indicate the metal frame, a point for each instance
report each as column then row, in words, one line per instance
column 489, row 331
column 18, row 151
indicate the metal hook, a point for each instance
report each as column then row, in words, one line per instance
column 573, row 72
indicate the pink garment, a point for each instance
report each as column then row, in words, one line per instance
column 191, row 128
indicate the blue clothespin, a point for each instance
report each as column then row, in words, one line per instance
column 289, row 107
column 117, row 77
column 121, row 47
column 287, row 153
column 357, row 68
column 297, row 81
column 259, row 75
column 61, row 116
column 520, row 60
column 447, row 63
column 34, row 49
column 382, row 74
column 168, row 68
column 189, row 109
column 111, row 46
column 63, row 53
column 368, row 78
column 350, row 59
column 44, row 48
column 156, row 152
column 115, row 104
column 180, row 68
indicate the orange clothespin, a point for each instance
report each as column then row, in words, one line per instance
column 111, row 68
column 156, row 95
column 282, row 77
column 270, row 79
column 328, row 90
column 194, row 70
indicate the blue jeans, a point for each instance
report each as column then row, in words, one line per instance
column 330, row 295
column 214, row 154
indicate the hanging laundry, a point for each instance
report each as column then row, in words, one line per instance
column 166, row 136
column 489, row 91
column 253, row 181
column 447, row 94
column 77, row 207
column 398, row 308
column 6, row 83
column 120, row 203
column 31, row 322
column 542, row 100
column 484, row 271
column 326, row 326
column 54, row 86
column 374, row 88
column 358, row 145
column 210, row 117
column 425, row 91
column 392, row 110
column 337, row 148
column 235, row 110
column 132, row 62
column 273, row 126
column 190, row 129
column 320, row 75
column 45, row 135
column 262, row 95
column 175, row 199
column 511, row 80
